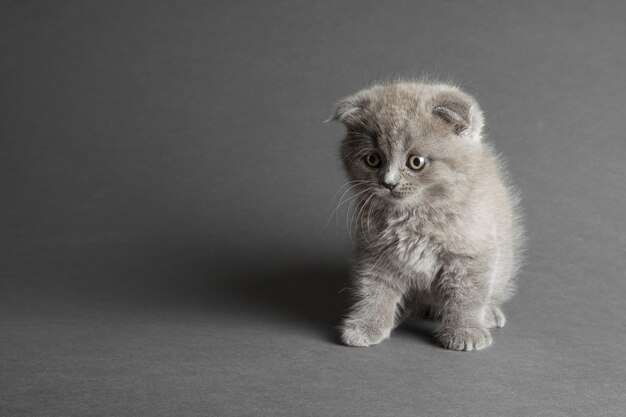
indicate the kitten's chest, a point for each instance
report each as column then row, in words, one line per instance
column 411, row 249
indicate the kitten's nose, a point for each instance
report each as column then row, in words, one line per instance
column 390, row 185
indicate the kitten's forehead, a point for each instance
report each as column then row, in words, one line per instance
column 395, row 113
column 393, row 107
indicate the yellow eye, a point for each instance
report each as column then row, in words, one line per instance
column 372, row 160
column 416, row 162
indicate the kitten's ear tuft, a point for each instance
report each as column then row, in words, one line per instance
column 461, row 112
column 349, row 110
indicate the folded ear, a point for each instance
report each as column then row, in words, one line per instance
column 461, row 113
column 350, row 109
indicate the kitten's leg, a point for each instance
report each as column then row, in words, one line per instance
column 402, row 314
column 373, row 316
column 464, row 292
column 494, row 317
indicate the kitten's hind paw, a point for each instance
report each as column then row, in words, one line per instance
column 463, row 338
column 361, row 336
column 494, row 317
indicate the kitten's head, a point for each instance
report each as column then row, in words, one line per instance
column 411, row 143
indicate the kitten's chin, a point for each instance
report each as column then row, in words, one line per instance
column 395, row 198
column 391, row 196
column 401, row 201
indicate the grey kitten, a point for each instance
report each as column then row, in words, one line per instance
column 437, row 223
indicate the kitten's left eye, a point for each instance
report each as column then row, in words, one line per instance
column 416, row 162
column 373, row 160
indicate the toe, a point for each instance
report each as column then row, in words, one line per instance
column 464, row 338
column 494, row 317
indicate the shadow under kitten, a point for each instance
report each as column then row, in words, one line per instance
column 302, row 293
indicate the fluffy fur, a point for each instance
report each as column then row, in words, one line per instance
column 442, row 239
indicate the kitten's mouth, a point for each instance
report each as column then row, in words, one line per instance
column 394, row 195
column 390, row 195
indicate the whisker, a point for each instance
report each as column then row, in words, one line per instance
column 361, row 153
column 348, row 222
column 369, row 213
column 341, row 203
column 358, row 138
column 340, row 188
column 358, row 150
column 348, row 213
column 333, row 201
column 359, row 219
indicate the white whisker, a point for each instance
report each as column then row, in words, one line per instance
column 340, row 202
column 359, row 219
column 348, row 221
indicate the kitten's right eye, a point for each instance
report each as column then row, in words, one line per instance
column 372, row 160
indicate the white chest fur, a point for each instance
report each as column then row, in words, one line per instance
column 407, row 252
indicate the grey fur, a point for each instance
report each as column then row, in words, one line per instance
column 446, row 239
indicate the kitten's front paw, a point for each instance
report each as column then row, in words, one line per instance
column 463, row 338
column 494, row 317
column 361, row 335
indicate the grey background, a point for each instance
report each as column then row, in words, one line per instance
column 165, row 177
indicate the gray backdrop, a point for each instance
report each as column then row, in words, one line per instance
column 165, row 177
